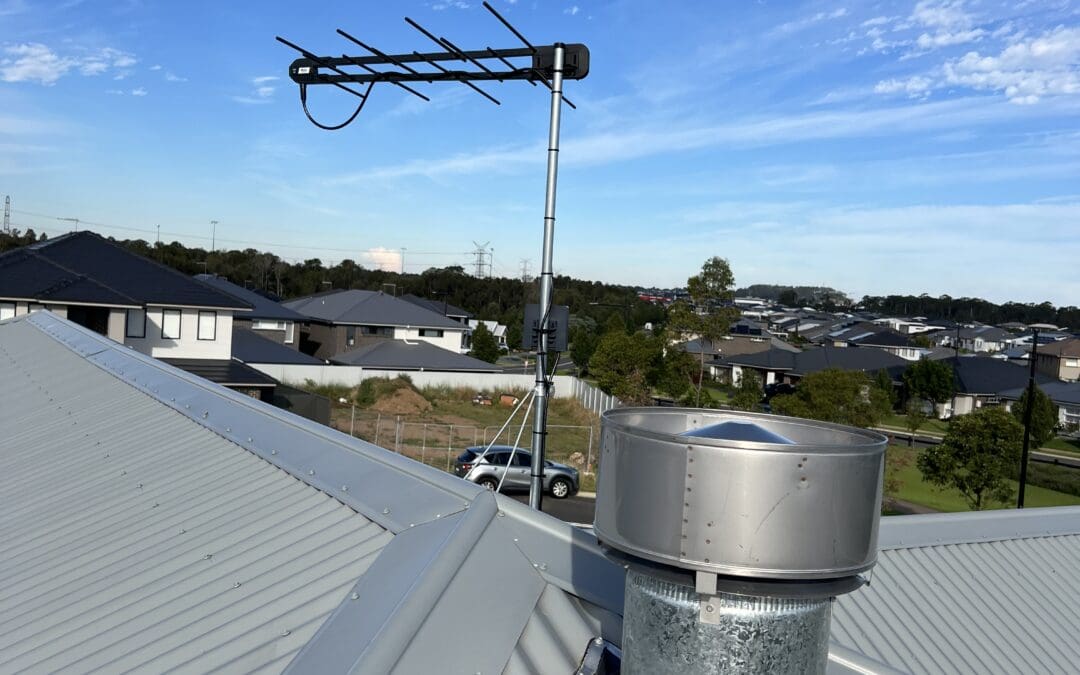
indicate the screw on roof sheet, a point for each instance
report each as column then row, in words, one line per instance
column 205, row 414
column 344, row 488
column 139, row 486
column 249, row 439
column 501, row 514
column 386, row 511
column 273, row 452
column 208, row 556
column 228, row 430
column 236, row 584
column 182, row 531
column 285, row 632
column 155, row 505
column 123, row 473
column 311, row 472
column 355, row 596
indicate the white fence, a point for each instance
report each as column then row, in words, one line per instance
column 592, row 398
column 565, row 386
column 350, row 376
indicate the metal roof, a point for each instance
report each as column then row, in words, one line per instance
column 989, row 592
column 85, row 267
column 438, row 306
column 250, row 347
column 154, row 520
column 373, row 308
column 226, row 372
column 419, row 355
column 262, row 306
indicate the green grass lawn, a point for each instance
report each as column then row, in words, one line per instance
column 929, row 426
column 918, row 491
column 1070, row 445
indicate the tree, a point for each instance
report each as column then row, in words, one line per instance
column 914, row 418
column 707, row 320
column 583, row 344
column 884, row 382
column 748, row 394
column 788, row 297
column 676, row 377
column 978, row 455
column 1043, row 416
column 930, row 380
column 833, row 395
column 626, row 366
column 484, row 345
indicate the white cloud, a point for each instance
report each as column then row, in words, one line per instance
column 572, row 11
column 32, row 62
column 878, row 21
column 915, row 86
column 115, row 92
column 1026, row 71
column 169, row 77
column 155, row 67
column 139, row 91
column 263, row 91
column 36, row 62
column 806, row 22
column 449, row 4
column 947, row 39
column 949, row 24
column 385, row 259
column 941, row 14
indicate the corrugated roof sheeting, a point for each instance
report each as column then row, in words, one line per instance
column 145, row 541
column 555, row 638
column 1005, row 606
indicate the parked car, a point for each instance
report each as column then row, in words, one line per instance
column 560, row 480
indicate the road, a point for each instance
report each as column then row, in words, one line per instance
column 576, row 509
column 922, row 441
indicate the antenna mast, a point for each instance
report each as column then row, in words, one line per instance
column 548, row 65
column 7, row 214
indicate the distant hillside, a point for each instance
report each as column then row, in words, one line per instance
column 796, row 295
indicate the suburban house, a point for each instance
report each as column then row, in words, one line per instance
column 497, row 329
column 133, row 300
column 1060, row 360
column 439, row 307
column 162, row 523
column 267, row 318
column 340, row 321
column 1065, row 395
column 978, row 339
column 892, row 342
column 781, row 366
column 983, row 380
column 420, row 356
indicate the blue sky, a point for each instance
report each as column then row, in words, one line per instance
column 874, row 147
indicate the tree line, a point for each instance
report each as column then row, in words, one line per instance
column 502, row 299
column 945, row 307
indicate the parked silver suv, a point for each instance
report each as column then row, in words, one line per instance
column 560, row 480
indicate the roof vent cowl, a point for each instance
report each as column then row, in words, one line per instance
column 737, row 530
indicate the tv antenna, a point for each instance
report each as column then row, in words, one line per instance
column 548, row 65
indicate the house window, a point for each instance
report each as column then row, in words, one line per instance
column 135, row 324
column 207, row 325
column 431, row 332
column 170, row 324
column 382, row 331
column 290, row 332
column 34, row 306
column 350, row 336
column 1072, row 363
column 7, row 310
column 263, row 324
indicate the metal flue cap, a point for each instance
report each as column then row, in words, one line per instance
column 742, row 494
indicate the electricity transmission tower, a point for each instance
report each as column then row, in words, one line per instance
column 481, row 266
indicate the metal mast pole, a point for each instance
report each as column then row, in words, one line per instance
column 1027, row 417
column 536, row 485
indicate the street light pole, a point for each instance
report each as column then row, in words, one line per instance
column 1027, row 417
column 213, row 235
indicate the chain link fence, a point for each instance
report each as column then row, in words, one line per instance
column 439, row 444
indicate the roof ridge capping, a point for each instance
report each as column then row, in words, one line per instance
column 941, row 529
